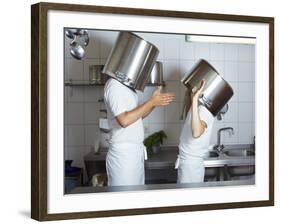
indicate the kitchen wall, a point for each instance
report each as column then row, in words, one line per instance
column 235, row 62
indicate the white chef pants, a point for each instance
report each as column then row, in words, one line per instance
column 125, row 164
column 191, row 169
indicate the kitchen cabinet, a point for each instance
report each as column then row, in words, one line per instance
column 160, row 176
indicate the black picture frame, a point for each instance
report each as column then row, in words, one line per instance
column 39, row 107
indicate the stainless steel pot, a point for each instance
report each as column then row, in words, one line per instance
column 96, row 76
column 216, row 93
column 131, row 60
column 156, row 75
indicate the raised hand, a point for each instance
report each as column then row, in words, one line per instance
column 161, row 99
column 197, row 91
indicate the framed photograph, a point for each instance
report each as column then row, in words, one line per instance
column 139, row 111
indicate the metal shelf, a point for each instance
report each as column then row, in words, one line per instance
column 82, row 83
column 87, row 83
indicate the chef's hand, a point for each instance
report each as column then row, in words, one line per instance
column 161, row 99
column 157, row 99
column 197, row 125
column 197, row 91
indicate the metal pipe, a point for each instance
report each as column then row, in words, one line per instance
column 219, row 146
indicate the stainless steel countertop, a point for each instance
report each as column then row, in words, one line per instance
column 167, row 156
column 81, row 190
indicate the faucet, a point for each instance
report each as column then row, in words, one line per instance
column 219, row 147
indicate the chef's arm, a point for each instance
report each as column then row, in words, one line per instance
column 146, row 114
column 129, row 117
column 197, row 125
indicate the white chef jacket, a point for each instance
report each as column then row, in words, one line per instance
column 126, row 154
column 196, row 146
column 190, row 162
column 119, row 98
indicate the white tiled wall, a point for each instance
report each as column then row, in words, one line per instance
column 235, row 62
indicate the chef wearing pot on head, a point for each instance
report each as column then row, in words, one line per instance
column 203, row 84
column 194, row 140
column 128, row 69
column 126, row 155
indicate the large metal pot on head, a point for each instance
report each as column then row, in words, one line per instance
column 216, row 92
column 131, row 60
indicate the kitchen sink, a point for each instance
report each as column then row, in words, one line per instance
column 239, row 152
column 245, row 170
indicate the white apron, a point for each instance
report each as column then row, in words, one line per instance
column 191, row 169
column 190, row 162
column 125, row 164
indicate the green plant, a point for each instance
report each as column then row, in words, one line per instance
column 155, row 139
